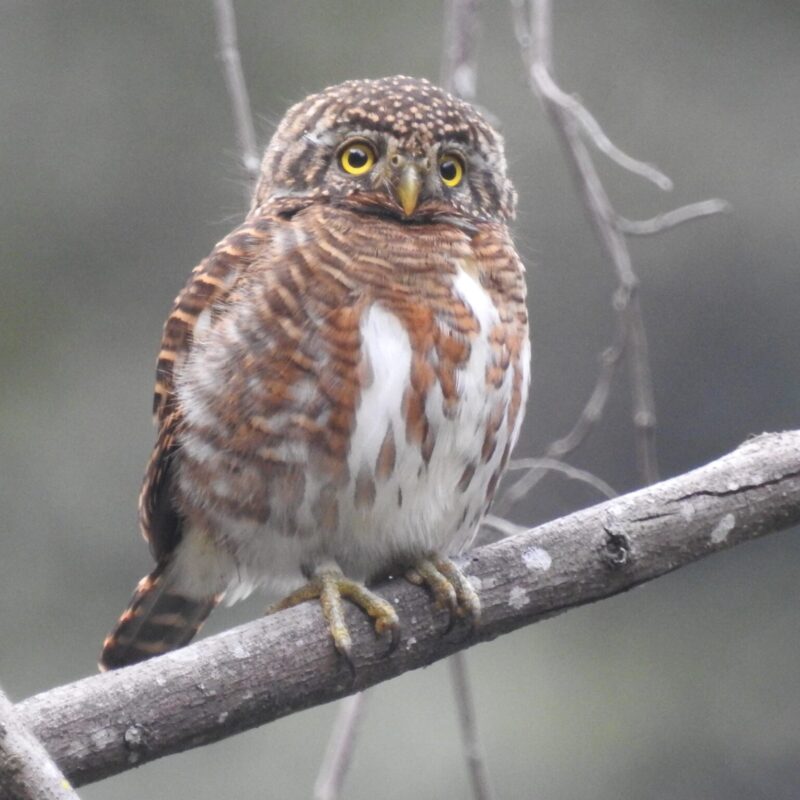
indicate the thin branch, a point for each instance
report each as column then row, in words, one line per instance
column 595, row 134
column 285, row 662
column 535, row 469
column 589, row 417
column 468, row 723
column 503, row 526
column 459, row 64
column 602, row 215
column 339, row 753
column 571, row 119
column 671, row 219
column 237, row 89
column 26, row 770
column 554, row 465
column 537, row 50
column 543, row 32
column 641, row 386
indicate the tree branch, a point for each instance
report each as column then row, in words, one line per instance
column 573, row 122
column 569, row 120
column 459, row 60
column 468, row 723
column 237, row 89
column 340, row 748
column 26, row 770
column 671, row 219
column 554, row 465
column 280, row 664
column 590, row 415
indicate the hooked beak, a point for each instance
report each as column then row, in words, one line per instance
column 408, row 188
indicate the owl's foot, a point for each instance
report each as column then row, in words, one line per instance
column 331, row 587
column 450, row 588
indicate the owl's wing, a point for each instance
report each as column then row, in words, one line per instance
column 209, row 285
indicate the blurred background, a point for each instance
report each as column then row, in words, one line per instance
column 119, row 171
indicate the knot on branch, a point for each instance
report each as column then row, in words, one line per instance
column 135, row 742
column 616, row 549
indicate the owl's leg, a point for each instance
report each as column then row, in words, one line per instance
column 331, row 587
column 449, row 586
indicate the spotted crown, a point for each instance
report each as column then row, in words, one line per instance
column 408, row 112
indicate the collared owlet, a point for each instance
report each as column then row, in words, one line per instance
column 341, row 381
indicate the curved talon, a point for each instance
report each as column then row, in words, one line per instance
column 451, row 589
column 330, row 587
column 330, row 599
column 469, row 604
column 394, row 640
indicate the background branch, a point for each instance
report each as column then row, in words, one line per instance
column 468, row 724
column 339, row 753
column 533, row 23
column 283, row 663
column 26, row 770
column 460, row 59
column 590, row 415
column 237, row 89
column 547, row 464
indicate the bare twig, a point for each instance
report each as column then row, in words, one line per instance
column 641, row 385
column 476, row 760
column 502, row 526
column 595, row 134
column 602, row 216
column 670, row 219
column 554, row 465
column 534, row 469
column 533, row 28
column 237, row 89
column 459, row 64
column 283, row 663
column 339, row 753
column 589, row 416
column 26, row 770
column 538, row 52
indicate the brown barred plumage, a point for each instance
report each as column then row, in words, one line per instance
column 341, row 381
column 157, row 619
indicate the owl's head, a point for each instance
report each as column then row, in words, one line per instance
column 396, row 146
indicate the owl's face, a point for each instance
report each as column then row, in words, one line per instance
column 394, row 146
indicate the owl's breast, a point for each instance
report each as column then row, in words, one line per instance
column 437, row 417
column 355, row 401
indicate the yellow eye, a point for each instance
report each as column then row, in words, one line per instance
column 357, row 158
column 451, row 170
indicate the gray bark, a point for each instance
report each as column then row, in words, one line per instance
column 26, row 770
column 280, row 664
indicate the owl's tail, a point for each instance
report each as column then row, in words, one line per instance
column 158, row 619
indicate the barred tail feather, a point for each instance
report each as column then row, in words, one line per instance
column 158, row 619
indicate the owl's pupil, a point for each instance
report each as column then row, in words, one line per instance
column 448, row 170
column 357, row 157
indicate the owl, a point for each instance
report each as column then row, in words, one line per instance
column 342, row 380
